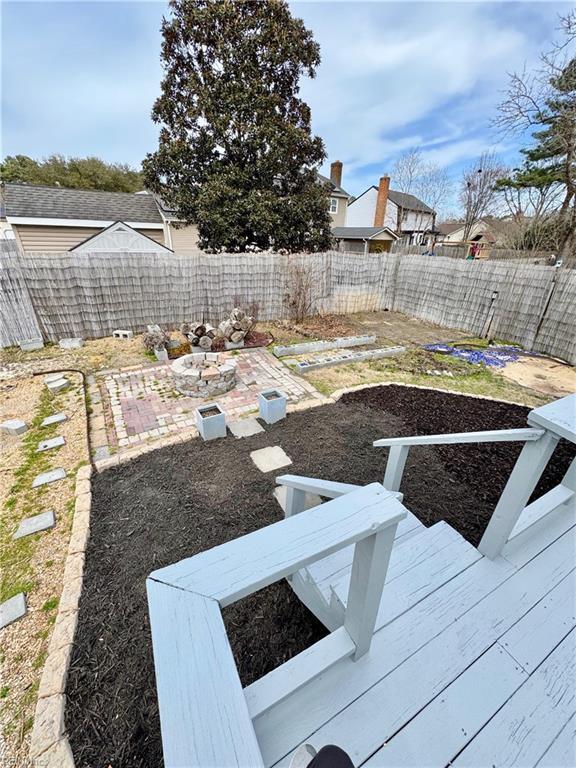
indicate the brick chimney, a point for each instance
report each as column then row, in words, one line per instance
column 381, row 201
column 336, row 173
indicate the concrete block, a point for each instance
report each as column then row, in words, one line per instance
column 233, row 344
column 270, row 459
column 321, row 346
column 210, row 421
column 71, row 343
column 29, row 345
column 272, row 405
column 12, row 609
column 245, row 428
column 121, row 334
column 35, row 524
column 58, row 385
column 53, row 442
column 352, row 357
column 49, row 477
column 57, row 418
column 13, row 427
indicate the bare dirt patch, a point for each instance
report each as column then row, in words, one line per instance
column 542, row 374
column 154, row 511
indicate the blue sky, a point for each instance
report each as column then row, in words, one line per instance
column 80, row 78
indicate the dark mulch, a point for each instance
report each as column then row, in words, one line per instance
column 177, row 501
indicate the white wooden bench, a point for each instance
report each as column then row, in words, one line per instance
column 205, row 715
column 512, row 515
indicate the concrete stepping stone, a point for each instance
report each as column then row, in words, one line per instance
column 271, row 458
column 245, row 427
column 58, row 385
column 53, row 442
column 35, row 524
column 312, row 499
column 57, row 418
column 13, row 427
column 49, row 477
column 53, row 377
column 12, row 609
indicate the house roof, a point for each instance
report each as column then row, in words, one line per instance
column 446, row 227
column 401, row 199
column 39, row 202
column 333, row 187
column 361, row 233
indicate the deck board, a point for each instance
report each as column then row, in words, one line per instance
column 532, row 719
column 416, row 657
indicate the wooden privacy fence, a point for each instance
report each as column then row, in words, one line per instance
column 90, row 295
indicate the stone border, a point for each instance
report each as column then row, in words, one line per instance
column 302, row 348
column 49, row 746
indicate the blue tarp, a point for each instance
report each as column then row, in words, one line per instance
column 495, row 357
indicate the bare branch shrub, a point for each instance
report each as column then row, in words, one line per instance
column 298, row 297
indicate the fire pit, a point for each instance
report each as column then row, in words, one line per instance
column 203, row 374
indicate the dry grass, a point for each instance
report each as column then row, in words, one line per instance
column 34, row 564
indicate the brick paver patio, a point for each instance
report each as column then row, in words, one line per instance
column 141, row 404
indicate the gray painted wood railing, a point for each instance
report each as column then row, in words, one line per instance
column 205, row 716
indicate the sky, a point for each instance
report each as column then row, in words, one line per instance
column 80, row 78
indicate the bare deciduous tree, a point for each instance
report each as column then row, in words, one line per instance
column 478, row 193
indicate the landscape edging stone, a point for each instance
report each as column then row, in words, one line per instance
column 49, row 745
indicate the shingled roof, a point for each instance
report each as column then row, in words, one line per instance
column 38, row 202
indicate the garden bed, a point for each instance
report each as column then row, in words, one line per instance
column 157, row 510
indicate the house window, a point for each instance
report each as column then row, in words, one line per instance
column 333, row 205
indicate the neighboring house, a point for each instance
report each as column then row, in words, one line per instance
column 364, row 239
column 338, row 201
column 55, row 219
column 488, row 232
column 410, row 218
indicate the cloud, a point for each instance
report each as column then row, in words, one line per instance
column 81, row 77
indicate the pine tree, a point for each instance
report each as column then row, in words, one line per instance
column 550, row 163
column 236, row 155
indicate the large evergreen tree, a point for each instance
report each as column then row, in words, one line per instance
column 236, row 155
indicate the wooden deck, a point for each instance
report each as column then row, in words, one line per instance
column 472, row 662
column 438, row 654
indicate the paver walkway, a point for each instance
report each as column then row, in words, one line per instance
column 142, row 403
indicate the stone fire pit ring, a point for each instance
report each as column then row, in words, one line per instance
column 203, row 374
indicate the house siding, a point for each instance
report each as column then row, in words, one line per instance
column 361, row 212
column 46, row 239
column 339, row 219
column 184, row 240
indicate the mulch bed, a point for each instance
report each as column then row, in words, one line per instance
column 178, row 501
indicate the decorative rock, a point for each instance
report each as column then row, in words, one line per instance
column 57, row 418
column 211, row 421
column 271, row 458
column 245, row 428
column 49, row 477
column 153, row 329
column 71, row 343
column 12, row 609
column 35, row 524
column 29, row 345
column 272, row 405
column 58, row 385
column 120, row 334
column 13, row 427
column 53, row 442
